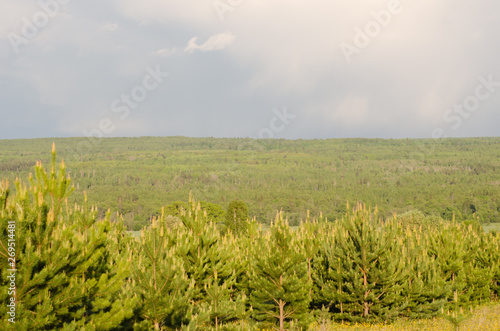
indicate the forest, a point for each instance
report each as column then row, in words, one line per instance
column 138, row 176
column 69, row 262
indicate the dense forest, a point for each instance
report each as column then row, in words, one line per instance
column 63, row 266
column 137, row 176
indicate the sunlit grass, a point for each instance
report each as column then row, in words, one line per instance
column 491, row 226
column 485, row 318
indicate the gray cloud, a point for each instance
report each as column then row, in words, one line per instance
column 226, row 76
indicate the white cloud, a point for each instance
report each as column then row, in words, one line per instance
column 217, row 42
column 214, row 43
column 164, row 52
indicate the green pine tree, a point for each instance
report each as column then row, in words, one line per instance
column 425, row 291
column 488, row 257
column 160, row 281
column 279, row 281
column 66, row 277
column 365, row 277
column 205, row 253
column 237, row 216
column 218, row 303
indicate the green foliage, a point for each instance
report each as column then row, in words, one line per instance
column 457, row 316
column 208, row 260
column 415, row 218
column 136, row 176
column 175, row 208
column 362, row 280
column 218, row 303
column 65, row 275
column 78, row 269
column 237, row 216
column 488, row 258
column 161, row 281
column 215, row 212
column 279, row 279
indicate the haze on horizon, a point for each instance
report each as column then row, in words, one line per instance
column 236, row 68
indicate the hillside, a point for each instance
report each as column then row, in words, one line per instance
column 136, row 176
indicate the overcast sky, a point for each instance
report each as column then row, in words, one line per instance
column 250, row 68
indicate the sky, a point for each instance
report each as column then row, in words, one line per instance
column 240, row 68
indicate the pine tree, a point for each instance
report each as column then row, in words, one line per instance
column 160, row 281
column 279, row 279
column 329, row 292
column 477, row 276
column 199, row 245
column 364, row 280
column 488, row 257
column 210, row 262
column 457, row 316
column 425, row 291
column 65, row 276
column 237, row 216
column 218, row 302
column 454, row 248
column 310, row 235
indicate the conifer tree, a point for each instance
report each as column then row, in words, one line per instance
column 424, row 290
column 279, row 279
column 364, row 280
column 221, row 308
column 454, row 249
column 237, row 216
column 160, row 281
column 65, row 276
column 198, row 245
column 310, row 235
column 210, row 262
column 488, row 257
column 477, row 276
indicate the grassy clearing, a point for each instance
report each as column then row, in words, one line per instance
column 484, row 318
column 491, row 226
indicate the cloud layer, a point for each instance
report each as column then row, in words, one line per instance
column 407, row 68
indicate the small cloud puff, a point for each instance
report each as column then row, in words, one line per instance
column 217, row 42
column 214, row 43
column 165, row 52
